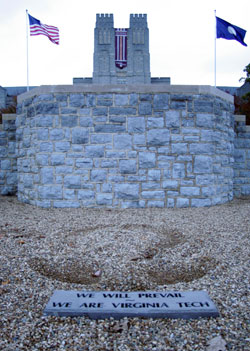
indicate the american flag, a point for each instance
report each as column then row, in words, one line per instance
column 37, row 28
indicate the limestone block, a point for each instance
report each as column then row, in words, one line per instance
column 161, row 101
column 63, row 169
column 133, row 99
column 178, row 105
column 50, row 192
column 44, row 121
column 178, row 170
column 68, row 111
column 182, row 202
column 100, row 111
column 201, row 105
column 156, row 203
column 109, row 163
column 85, row 121
column 139, row 139
column 145, row 108
column 154, row 174
column 127, row 166
column 123, row 111
column 61, row 146
column 150, row 185
column 86, row 194
column 76, row 100
column 51, row 108
column 158, row 137
column 121, row 99
column 201, row 202
column 155, row 122
column 56, row 134
column 69, row 121
column 5, row 165
column 42, row 134
column 133, row 204
column 98, row 175
column 122, row 141
column 127, row 191
column 205, row 120
column 147, row 160
column 203, row 164
column 94, row 151
column 179, row 148
column 80, row 136
column 109, row 128
column 189, row 191
column 157, row 194
column 43, row 97
column 47, row 175
column 136, row 124
column 42, row 159
column 170, row 184
column 117, row 119
column 72, row 181
column 104, row 199
column 205, row 179
column 172, row 119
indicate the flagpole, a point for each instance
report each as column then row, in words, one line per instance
column 215, row 37
column 27, row 54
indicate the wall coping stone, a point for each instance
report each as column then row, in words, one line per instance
column 240, row 118
column 8, row 116
column 138, row 88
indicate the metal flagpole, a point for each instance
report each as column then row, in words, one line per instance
column 215, row 50
column 27, row 40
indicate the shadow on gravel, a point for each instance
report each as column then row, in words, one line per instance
column 183, row 272
column 64, row 270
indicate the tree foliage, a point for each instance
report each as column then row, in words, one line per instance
column 242, row 104
column 247, row 78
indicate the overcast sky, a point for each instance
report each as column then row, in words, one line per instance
column 181, row 39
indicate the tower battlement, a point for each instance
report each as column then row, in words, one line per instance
column 121, row 55
column 104, row 20
column 138, row 20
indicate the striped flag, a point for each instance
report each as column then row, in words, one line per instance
column 121, row 47
column 37, row 28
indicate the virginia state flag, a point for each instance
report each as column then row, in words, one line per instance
column 229, row 31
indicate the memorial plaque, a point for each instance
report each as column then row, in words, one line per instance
column 117, row 304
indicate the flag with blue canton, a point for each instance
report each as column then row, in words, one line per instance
column 229, row 31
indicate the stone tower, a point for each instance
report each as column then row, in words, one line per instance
column 121, row 56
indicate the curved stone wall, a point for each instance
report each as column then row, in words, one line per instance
column 125, row 146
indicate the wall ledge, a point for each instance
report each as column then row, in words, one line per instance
column 142, row 88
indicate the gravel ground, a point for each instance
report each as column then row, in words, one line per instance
column 134, row 249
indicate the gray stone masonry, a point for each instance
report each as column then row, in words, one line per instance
column 125, row 146
column 8, row 161
column 137, row 70
column 2, row 97
column 241, row 157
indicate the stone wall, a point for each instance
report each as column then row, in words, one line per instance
column 8, row 161
column 125, row 146
column 241, row 157
column 2, row 97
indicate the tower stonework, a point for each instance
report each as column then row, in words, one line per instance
column 136, row 69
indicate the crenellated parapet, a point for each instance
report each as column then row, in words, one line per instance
column 105, row 20
column 138, row 21
column 123, row 60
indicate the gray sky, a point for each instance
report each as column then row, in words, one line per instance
column 181, row 36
